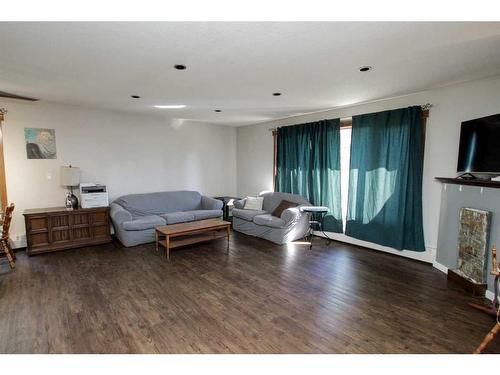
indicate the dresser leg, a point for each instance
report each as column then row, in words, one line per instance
column 167, row 242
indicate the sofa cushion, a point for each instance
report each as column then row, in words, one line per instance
column 254, row 203
column 143, row 223
column 160, row 203
column 178, row 217
column 273, row 199
column 205, row 214
column 247, row 214
column 269, row 221
column 284, row 204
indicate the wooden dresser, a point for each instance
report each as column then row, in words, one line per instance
column 56, row 228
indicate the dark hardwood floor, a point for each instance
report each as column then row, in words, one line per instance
column 259, row 298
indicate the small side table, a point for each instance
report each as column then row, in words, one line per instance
column 311, row 210
column 226, row 202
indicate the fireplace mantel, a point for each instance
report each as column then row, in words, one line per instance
column 474, row 182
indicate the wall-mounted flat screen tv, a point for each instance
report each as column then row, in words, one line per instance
column 479, row 150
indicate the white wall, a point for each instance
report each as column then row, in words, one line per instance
column 451, row 106
column 128, row 153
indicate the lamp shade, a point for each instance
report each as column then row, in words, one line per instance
column 70, row 176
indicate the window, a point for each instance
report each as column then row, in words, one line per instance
column 345, row 156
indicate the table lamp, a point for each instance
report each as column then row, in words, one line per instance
column 70, row 176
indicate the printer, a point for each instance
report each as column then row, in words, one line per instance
column 93, row 195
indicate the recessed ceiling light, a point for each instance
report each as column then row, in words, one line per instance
column 365, row 68
column 277, row 93
column 171, row 106
column 180, row 67
column 217, row 110
column 135, row 96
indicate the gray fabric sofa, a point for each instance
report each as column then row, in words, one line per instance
column 135, row 216
column 292, row 224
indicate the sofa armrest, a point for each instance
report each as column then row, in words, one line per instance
column 291, row 215
column 208, row 203
column 240, row 203
column 118, row 214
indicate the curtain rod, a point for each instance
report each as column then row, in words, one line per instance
column 425, row 107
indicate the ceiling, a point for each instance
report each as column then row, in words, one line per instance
column 235, row 67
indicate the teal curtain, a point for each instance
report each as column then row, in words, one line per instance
column 385, row 179
column 308, row 164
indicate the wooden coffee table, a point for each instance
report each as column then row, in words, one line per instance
column 182, row 234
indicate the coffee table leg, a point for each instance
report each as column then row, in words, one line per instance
column 228, row 236
column 167, row 242
column 156, row 240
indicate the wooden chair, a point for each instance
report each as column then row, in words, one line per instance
column 5, row 248
column 488, row 339
column 496, row 328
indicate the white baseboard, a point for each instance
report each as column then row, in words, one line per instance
column 440, row 267
column 18, row 241
column 427, row 256
column 490, row 295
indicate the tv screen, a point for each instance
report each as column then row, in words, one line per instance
column 479, row 149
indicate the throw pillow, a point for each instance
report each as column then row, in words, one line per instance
column 282, row 207
column 254, row 203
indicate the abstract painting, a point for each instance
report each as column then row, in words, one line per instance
column 473, row 237
column 40, row 143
